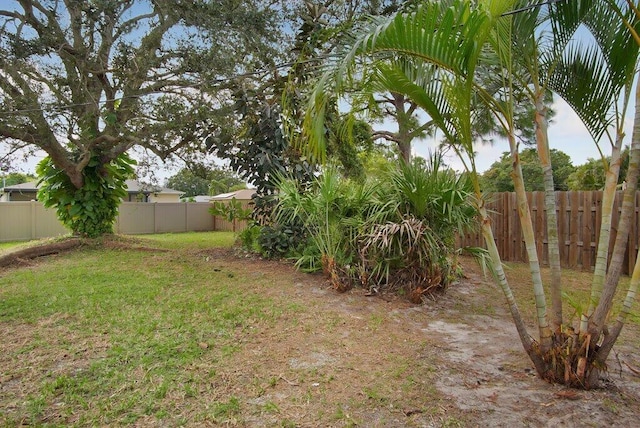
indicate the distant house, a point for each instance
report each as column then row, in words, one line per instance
column 19, row 192
column 136, row 192
column 197, row 198
column 240, row 195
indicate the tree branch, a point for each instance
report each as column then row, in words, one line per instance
column 387, row 135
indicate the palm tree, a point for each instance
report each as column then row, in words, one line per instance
column 451, row 38
column 538, row 55
column 630, row 20
column 606, row 68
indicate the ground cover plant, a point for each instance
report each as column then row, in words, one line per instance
column 178, row 330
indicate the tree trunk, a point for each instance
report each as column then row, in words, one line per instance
column 598, row 320
column 530, row 346
column 530, row 243
column 602, row 255
column 612, row 336
column 404, row 131
column 544, row 154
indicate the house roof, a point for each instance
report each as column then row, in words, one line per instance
column 29, row 186
column 133, row 186
column 244, row 195
column 202, row 198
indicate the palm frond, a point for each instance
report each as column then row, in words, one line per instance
column 445, row 34
column 616, row 43
column 591, row 75
column 583, row 81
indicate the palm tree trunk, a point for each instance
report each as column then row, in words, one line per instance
column 496, row 266
column 612, row 336
column 597, row 321
column 544, row 154
column 530, row 243
column 602, row 255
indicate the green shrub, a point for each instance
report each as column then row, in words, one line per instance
column 248, row 238
column 278, row 241
column 395, row 233
column 231, row 211
column 92, row 209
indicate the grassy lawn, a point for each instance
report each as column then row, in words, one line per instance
column 191, row 240
column 5, row 246
column 116, row 334
column 173, row 330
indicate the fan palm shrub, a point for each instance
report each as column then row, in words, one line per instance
column 395, row 233
column 331, row 211
column 409, row 240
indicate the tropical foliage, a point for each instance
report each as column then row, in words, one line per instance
column 447, row 46
column 396, row 233
column 231, row 211
column 92, row 209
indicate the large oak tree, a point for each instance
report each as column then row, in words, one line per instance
column 86, row 81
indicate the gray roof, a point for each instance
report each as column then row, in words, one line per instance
column 29, row 186
column 133, row 186
column 243, row 195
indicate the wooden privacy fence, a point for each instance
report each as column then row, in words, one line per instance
column 221, row 224
column 579, row 215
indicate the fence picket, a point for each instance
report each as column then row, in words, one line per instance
column 579, row 216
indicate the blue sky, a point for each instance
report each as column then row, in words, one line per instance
column 566, row 133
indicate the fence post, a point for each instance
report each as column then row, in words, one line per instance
column 32, row 207
column 155, row 213
column 186, row 216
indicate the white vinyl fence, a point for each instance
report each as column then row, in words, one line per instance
column 22, row 221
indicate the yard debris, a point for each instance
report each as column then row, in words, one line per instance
column 569, row 394
column 30, row 253
column 634, row 371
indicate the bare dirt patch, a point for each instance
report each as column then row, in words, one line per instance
column 23, row 256
column 372, row 361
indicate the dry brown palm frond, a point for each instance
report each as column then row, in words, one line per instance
column 405, row 256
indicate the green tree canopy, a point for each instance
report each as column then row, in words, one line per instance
column 591, row 175
column 204, row 180
column 17, row 178
column 498, row 177
column 86, row 81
